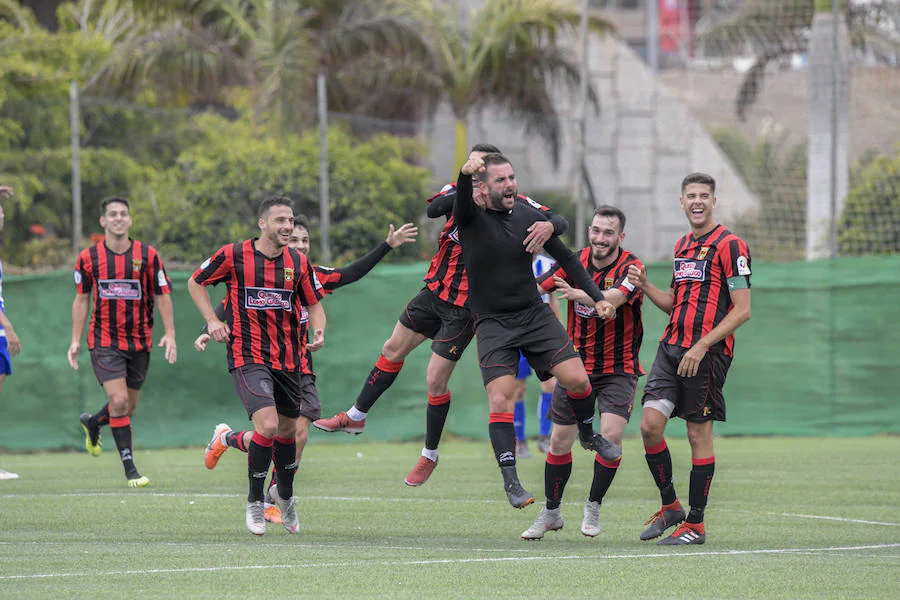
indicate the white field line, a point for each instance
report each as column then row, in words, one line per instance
column 824, row 518
column 443, row 561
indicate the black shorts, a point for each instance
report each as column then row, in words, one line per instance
column 450, row 327
column 535, row 331
column 111, row 364
column 614, row 393
column 696, row 399
column 289, row 392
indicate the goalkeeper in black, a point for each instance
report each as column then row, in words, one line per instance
column 509, row 314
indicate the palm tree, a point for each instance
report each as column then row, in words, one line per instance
column 275, row 48
column 775, row 29
column 507, row 54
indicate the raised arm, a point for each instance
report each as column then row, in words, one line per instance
column 638, row 278
column 359, row 268
column 464, row 206
column 441, row 205
column 569, row 262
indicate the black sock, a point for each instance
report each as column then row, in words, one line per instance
column 583, row 407
column 101, row 417
column 660, row 462
column 503, row 438
column 235, row 439
column 435, row 417
column 121, row 430
column 259, row 457
column 285, row 458
column 701, row 479
column 604, row 472
column 557, row 470
column 379, row 380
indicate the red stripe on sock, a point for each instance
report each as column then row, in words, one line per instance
column 581, row 396
column 504, row 417
column 438, row 400
column 609, row 464
column 657, row 448
column 120, row 421
column 262, row 440
column 699, row 462
column 559, row 459
column 240, row 441
column 282, row 440
column 388, row 366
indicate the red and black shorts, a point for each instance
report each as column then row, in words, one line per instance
column 535, row 331
column 450, row 327
column 111, row 363
column 614, row 393
column 697, row 399
column 291, row 393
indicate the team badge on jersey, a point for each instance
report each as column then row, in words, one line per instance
column 288, row 274
column 608, row 283
column 743, row 266
column 703, row 252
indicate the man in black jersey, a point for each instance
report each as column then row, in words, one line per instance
column 509, row 314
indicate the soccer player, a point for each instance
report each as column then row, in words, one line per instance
column 540, row 264
column 440, row 312
column 610, row 352
column 509, row 314
column 9, row 341
column 126, row 278
column 709, row 298
column 310, row 407
column 272, row 294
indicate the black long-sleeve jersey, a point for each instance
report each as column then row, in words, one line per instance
column 499, row 268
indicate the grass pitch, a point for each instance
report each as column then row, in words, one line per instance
column 788, row 518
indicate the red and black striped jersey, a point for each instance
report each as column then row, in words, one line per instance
column 702, row 268
column 265, row 304
column 614, row 345
column 446, row 276
column 124, row 287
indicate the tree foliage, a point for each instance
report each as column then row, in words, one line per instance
column 870, row 223
column 777, row 177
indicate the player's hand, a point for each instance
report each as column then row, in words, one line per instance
column 605, row 310
column 690, row 362
column 200, row 342
column 73, row 354
column 318, row 340
column 637, row 277
column 168, row 342
column 538, row 234
column 5, row 191
column 218, row 330
column 472, row 166
column 12, row 342
column 406, row 233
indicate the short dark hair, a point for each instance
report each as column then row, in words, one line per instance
column 702, row 178
column 271, row 201
column 301, row 220
column 606, row 210
column 494, row 158
column 112, row 200
column 486, row 148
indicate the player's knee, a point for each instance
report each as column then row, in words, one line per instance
column 651, row 431
column 613, row 434
column 579, row 386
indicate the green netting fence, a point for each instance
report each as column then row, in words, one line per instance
column 819, row 357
